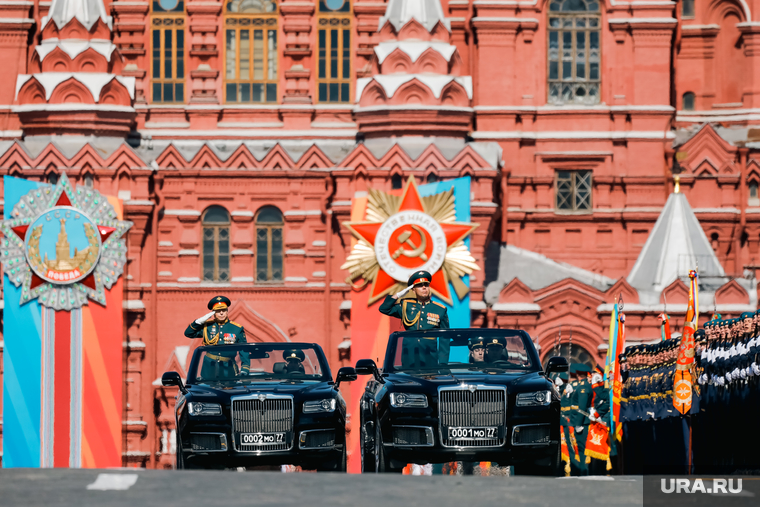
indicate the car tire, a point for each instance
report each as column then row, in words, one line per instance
column 553, row 469
column 367, row 451
column 338, row 465
column 381, row 460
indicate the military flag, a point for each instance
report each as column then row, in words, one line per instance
column 682, row 382
column 610, row 347
column 617, row 381
column 664, row 326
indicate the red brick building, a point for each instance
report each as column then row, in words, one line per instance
column 237, row 133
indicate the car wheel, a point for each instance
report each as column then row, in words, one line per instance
column 338, row 465
column 553, row 469
column 367, row 451
column 381, row 460
column 179, row 463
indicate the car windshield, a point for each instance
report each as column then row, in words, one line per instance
column 301, row 362
column 449, row 351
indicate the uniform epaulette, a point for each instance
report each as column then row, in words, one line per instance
column 236, row 324
column 437, row 303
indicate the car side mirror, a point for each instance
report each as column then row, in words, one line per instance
column 556, row 364
column 172, row 378
column 345, row 374
column 368, row 367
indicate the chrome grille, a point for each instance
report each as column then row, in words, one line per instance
column 271, row 415
column 461, row 407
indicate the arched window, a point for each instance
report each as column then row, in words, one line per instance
column 216, row 245
column 688, row 101
column 168, row 51
column 431, row 178
column 52, row 178
column 574, row 52
column 334, row 46
column 396, row 182
column 269, row 226
column 250, row 59
column 574, row 354
column 89, row 181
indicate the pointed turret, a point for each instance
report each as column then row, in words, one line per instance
column 416, row 86
column 76, row 86
column 676, row 244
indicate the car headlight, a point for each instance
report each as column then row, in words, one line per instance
column 326, row 405
column 406, row 400
column 534, row 399
column 198, row 408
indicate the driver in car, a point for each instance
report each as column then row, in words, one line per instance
column 216, row 329
column 496, row 349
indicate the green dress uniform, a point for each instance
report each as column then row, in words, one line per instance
column 221, row 364
column 414, row 314
column 581, row 402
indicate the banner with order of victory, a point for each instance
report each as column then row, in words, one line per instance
column 63, row 254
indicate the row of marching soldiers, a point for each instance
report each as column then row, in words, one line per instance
column 715, row 434
column 584, row 420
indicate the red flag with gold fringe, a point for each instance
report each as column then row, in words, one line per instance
column 598, row 442
column 682, row 382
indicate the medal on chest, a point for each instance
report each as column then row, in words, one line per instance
column 433, row 319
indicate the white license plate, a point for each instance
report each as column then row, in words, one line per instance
column 470, row 433
column 262, row 438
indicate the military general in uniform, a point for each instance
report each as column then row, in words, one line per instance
column 417, row 312
column 216, row 329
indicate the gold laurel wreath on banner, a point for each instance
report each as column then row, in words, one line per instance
column 362, row 261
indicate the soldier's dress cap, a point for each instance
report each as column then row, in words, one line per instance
column 497, row 340
column 420, row 277
column 700, row 334
column 478, row 341
column 580, row 368
column 293, row 355
column 219, row 303
column 748, row 315
column 564, row 376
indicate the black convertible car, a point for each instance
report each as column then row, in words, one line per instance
column 286, row 410
column 435, row 401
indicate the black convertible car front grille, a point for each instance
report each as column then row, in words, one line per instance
column 478, row 408
column 272, row 415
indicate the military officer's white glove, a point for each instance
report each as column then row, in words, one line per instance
column 579, row 429
column 702, row 378
column 729, row 377
column 402, row 292
column 756, row 368
column 204, row 318
column 558, row 382
column 735, row 373
column 568, row 390
column 743, row 373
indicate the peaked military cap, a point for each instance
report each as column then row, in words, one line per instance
column 420, row 277
column 580, row 368
column 478, row 341
column 219, row 303
column 293, row 354
column 748, row 315
column 497, row 340
column 564, row 376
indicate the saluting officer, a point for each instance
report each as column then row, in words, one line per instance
column 216, row 329
column 418, row 312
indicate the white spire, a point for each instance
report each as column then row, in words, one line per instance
column 86, row 11
column 426, row 12
column 675, row 246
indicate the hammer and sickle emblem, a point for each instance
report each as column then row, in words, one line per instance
column 416, row 251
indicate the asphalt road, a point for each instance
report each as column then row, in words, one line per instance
column 165, row 488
